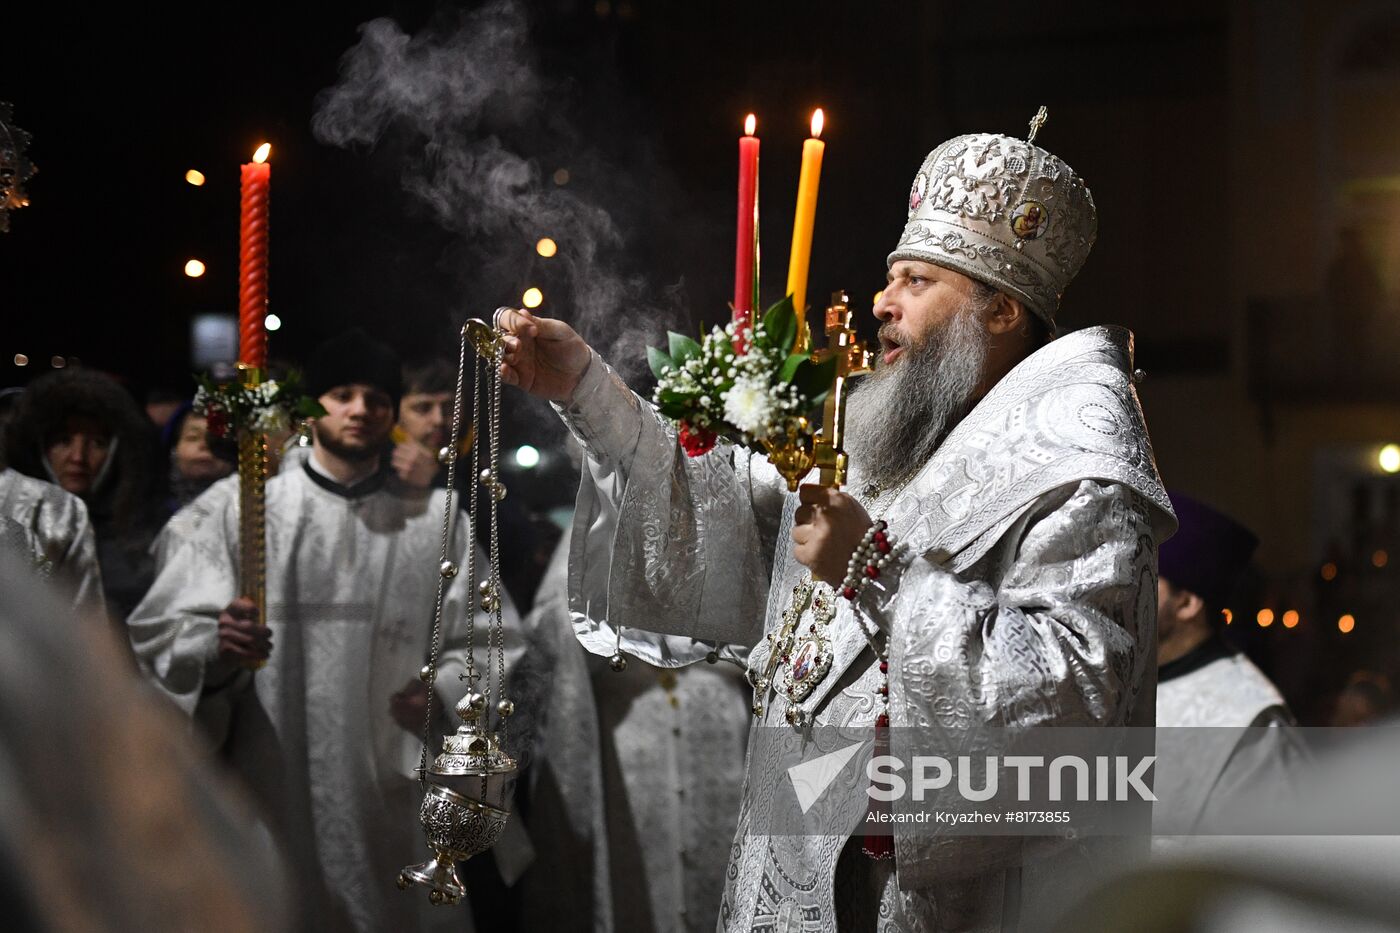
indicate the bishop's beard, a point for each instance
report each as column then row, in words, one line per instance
column 897, row 416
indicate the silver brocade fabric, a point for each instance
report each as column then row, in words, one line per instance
column 1032, row 600
column 1214, row 750
column 635, row 781
column 58, row 536
column 1229, row 692
column 350, row 590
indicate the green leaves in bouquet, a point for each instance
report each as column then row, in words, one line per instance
column 308, row 407
column 778, row 328
column 659, row 361
column 682, row 347
column 814, row 379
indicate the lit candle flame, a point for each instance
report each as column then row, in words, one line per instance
column 263, row 152
column 750, row 124
column 818, row 121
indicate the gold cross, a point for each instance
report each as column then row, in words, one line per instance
column 1037, row 122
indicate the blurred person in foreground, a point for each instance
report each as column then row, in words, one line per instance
column 82, row 431
column 111, row 819
column 1015, row 469
column 1224, row 730
column 328, row 733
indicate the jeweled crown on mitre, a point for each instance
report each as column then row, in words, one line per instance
column 1005, row 212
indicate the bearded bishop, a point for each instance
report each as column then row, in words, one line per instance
column 1014, row 572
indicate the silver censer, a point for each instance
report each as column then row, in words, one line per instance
column 467, row 789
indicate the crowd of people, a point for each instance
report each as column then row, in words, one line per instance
column 1003, row 556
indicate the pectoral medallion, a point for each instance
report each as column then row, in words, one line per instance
column 807, row 656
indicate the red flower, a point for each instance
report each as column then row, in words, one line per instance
column 217, row 421
column 697, row 441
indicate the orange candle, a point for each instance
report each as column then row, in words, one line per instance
column 255, row 194
column 804, row 219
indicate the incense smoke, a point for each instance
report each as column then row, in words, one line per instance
column 479, row 126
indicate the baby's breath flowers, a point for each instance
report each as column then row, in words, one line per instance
column 267, row 408
column 712, row 392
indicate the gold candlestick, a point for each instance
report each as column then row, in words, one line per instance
column 252, row 510
column 852, row 359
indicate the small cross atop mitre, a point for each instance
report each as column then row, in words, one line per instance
column 1037, row 122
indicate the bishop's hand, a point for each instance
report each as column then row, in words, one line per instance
column 826, row 528
column 545, row 357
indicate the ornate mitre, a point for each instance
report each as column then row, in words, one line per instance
column 1005, row 212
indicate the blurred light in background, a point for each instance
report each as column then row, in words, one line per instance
column 195, row 177
column 876, row 300
column 1329, row 571
column 1290, row 618
column 213, row 339
column 546, row 247
column 272, row 322
column 1346, row 623
column 527, row 457
column 194, row 268
column 1229, row 616
column 1265, row 618
column 1389, row 458
column 21, row 359
column 1380, row 559
column 532, row 298
column 57, row 362
column 561, row 176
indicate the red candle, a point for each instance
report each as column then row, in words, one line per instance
column 252, row 260
column 746, row 240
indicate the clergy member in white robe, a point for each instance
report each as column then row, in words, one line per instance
column 634, row 780
column 1225, row 732
column 54, row 531
column 1013, row 469
column 328, row 733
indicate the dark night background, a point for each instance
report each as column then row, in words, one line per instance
column 1229, row 146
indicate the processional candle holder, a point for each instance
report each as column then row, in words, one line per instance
column 467, row 788
column 801, row 450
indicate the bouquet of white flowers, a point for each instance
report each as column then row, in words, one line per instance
column 266, row 408
column 761, row 398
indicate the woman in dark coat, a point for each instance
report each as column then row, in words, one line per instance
column 81, row 430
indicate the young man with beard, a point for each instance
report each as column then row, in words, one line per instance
column 326, row 734
column 1024, row 510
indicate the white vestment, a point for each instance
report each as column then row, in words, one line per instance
column 1028, row 598
column 635, row 781
column 58, row 536
column 1224, row 735
column 351, row 581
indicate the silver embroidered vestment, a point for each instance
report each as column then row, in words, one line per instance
column 350, row 590
column 635, row 781
column 54, row 529
column 1224, row 734
column 1029, row 598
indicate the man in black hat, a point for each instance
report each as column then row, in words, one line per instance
column 1223, row 727
column 327, row 733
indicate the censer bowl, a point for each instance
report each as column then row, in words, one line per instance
column 457, row 828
